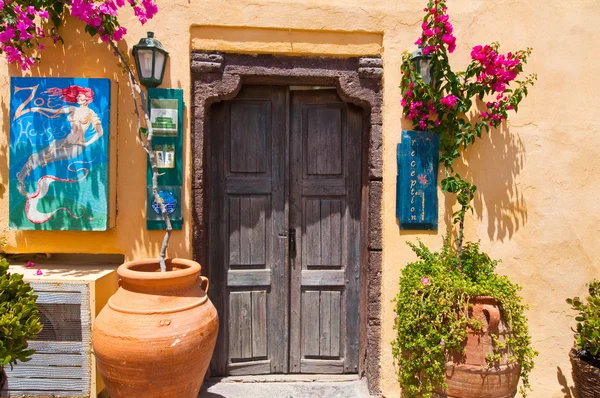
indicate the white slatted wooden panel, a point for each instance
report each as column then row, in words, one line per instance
column 61, row 368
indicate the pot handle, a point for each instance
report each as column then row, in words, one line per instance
column 204, row 283
column 493, row 313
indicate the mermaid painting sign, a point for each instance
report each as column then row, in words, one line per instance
column 59, row 147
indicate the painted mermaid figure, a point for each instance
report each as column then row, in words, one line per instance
column 80, row 117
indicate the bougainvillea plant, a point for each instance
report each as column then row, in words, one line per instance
column 490, row 82
column 25, row 25
column 432, row 305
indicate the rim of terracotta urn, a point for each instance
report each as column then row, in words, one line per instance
column 146, row 273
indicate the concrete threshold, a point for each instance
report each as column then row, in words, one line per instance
column 286, row 386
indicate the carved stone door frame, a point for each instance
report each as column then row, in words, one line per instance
column 219, row 76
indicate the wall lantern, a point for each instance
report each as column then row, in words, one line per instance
column 423, row 65
column 150, row 60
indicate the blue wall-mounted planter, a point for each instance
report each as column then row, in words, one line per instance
column 416, row 188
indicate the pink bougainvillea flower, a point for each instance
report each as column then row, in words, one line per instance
column 499, row 87
column 119, row 33
column 8, row 34
column 449, row 100
column 39, row 272
column 43, row 14
column 108, row 7
column 30, row 264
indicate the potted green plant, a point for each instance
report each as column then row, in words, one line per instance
column 156, row 335
column 585, row 355
column 19, row 320
column 461, row 328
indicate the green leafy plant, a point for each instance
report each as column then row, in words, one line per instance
column 19, row 319
column 432, row 315
column 587, row 332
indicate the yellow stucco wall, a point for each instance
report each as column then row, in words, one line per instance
column 536, row 207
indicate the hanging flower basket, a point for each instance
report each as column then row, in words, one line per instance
column 585, row 376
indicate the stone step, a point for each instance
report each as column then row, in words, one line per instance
column 286, row 386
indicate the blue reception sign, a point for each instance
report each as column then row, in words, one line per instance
column 416, row 188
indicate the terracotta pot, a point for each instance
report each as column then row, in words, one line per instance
column 586, row 377
column 156, row 335
column 465, row 374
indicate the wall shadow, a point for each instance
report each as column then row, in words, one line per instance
column 493, row 163
column 568, row 391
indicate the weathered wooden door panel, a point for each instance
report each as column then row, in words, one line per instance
column 325, row 174
column 284, row 308
column 246, row 220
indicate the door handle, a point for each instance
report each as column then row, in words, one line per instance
column 292, row 243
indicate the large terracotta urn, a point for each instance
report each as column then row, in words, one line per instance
column 467, row 375
column 156, row 335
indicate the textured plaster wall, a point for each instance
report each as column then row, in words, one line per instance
column 537, row 206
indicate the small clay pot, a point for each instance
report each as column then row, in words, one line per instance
column 156, row 335
column 466, row 375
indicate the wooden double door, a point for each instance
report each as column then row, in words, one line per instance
column 285, row 210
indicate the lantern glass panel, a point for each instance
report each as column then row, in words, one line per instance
column 159, row 65
column 425, row 70
column 145, row 59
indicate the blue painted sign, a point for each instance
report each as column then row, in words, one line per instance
column 59, row 145
column 416, row 185
column 169, row 199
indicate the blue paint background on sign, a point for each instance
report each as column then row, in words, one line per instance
column 416, row 185
column 78, row 205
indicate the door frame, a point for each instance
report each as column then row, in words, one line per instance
column 220, row 76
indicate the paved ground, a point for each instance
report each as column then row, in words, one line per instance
column 286, row 387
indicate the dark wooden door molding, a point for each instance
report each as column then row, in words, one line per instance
column 219, row 76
